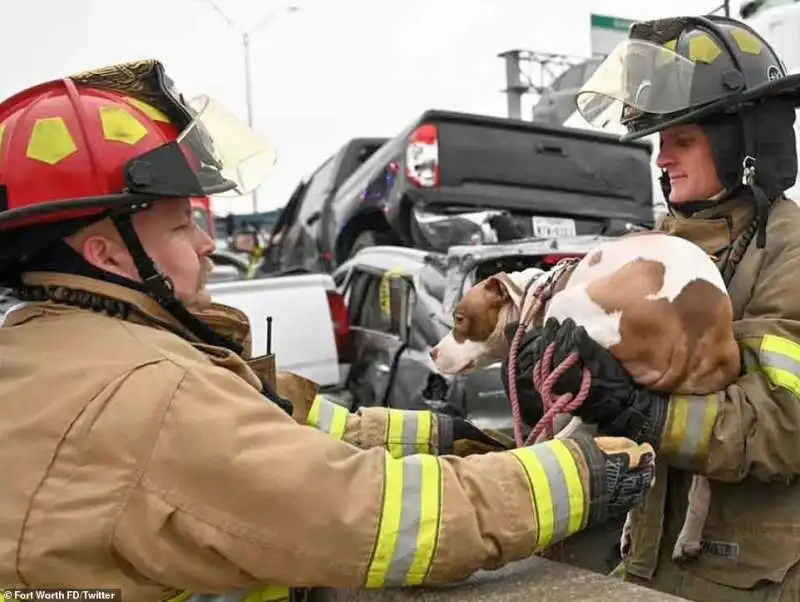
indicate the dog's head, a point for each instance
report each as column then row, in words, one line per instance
column 478, row 339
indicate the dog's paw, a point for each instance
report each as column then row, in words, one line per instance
column 685, row 551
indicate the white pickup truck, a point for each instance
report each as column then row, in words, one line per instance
column 309, row 321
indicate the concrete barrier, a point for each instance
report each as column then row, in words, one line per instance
column 533, row 579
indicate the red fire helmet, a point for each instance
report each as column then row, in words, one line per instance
column 118, row 138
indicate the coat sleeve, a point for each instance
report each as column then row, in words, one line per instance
column 235, row 493
column 401, row 432
column 750, row 428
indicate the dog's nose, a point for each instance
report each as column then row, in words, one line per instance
column 434, row 353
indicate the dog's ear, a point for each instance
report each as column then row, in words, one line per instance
column 496, row 291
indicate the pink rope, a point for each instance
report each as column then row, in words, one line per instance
column 544, row 379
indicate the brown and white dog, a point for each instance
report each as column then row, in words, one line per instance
column 656, row 302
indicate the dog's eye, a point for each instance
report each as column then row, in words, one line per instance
column 458, row 320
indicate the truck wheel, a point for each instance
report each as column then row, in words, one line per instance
column 369, row 238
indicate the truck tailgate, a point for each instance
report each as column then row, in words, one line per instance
column 302, row 331
column 535, row 168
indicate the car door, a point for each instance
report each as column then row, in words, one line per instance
column 416, row 384
column 377, row 304
column 276, row 253
column 297, row 240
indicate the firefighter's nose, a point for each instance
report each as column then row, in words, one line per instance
column 434, row 353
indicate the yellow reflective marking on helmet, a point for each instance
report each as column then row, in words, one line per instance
column 702, row 49
column 668, row 54
column 149, row 110
column 2, row 134
column 746, row 41
column 50, row 141
column 120, row 126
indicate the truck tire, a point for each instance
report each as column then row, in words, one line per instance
column 369, row 238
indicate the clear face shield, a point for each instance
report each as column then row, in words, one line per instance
column 637, row 78
column 216, row 154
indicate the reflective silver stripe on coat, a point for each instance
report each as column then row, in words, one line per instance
column 328, row 417
column 409, row 432
column 408, row 532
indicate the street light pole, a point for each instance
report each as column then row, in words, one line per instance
column 248, row 72
column 248, row 79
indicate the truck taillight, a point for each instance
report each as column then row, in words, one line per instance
column 341, row 326
column 422, row 157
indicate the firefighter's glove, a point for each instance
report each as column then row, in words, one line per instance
column 615, row 403
column 467, row 439
column 622, row 474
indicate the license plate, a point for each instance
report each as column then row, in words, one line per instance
column 549, row 227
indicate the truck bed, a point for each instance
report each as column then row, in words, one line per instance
column 539, row 169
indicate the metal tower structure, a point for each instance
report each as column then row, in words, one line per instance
column 532, row 72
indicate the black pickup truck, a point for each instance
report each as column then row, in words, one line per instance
column 457, row 178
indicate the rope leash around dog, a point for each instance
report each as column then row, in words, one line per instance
column 544, row 379
column 544, row 376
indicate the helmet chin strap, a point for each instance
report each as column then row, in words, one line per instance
column 162, row 289
column 666, row 187
column 748, row 175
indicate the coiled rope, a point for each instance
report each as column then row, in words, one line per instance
column 544, row 376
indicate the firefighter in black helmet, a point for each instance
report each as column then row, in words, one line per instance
column 723, row 106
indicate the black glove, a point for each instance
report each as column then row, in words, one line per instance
column 462, row 438
column 616, row 404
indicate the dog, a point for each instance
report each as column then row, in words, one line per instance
column 657, row 302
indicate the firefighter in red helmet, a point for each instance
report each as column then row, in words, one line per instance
column 138, row 446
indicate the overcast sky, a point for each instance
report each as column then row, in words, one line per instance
column 334, row 70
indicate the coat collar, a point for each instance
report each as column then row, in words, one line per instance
column 226, row 320
column 715, row 228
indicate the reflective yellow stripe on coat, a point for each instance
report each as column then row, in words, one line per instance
column 780, row 360
column 557, row 495
column 690, row 424
column 691, row 419
column 328, row 417
column 409, row 432
column 411, row 513
column 268, row 593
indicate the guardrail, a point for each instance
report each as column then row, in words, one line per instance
column 531, row 579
